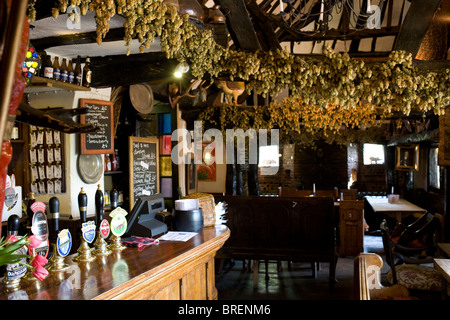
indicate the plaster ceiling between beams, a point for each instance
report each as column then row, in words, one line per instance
column 63, row 26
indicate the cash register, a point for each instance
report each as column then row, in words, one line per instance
column 142, row 221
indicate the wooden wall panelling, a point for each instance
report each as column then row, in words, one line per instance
column 351, row 227
column 444, row 140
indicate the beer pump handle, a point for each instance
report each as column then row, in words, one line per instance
column 54, row 210
column 13, row 225
column 82, row 204
column 99, row 205
column 114, row 196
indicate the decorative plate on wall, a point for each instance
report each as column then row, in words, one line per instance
column 141, row 96
column 90, row 167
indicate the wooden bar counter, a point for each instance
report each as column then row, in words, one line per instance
column 168, row 271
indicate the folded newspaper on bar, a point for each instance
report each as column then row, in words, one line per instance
column 178, row 236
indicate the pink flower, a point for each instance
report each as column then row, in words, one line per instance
column 39, row 272
column 39, row 260
column 11, row 239
column 34, row 242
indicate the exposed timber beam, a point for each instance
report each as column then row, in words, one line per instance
column 335, row 34
column 267, row 34
column 240, row 25
column 415, row 25
column 125, row 70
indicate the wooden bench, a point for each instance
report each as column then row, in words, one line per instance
column 286, row 192
column 297, row 229
column 367, row 283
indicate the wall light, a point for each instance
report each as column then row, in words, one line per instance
column 180, row 69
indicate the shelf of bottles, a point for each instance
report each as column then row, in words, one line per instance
column 67, row 75
column 40, row 82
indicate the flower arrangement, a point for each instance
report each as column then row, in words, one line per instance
column 8, row 255
column 326, row 93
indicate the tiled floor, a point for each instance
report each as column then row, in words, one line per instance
column 235, row 283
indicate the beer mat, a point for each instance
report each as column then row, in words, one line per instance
column 138, row 242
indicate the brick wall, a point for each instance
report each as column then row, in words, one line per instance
column 370, row 178
column 327, row 166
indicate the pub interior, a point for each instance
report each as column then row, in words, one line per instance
column 295, row 135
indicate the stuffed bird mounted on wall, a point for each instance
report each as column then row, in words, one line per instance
column 231, row 89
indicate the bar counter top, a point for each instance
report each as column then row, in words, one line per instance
column 167, row 270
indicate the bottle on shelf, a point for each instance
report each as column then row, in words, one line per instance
column 63, row 70
column 107, row 163
column 70, row 72
column 87, row 73
column 120, row 198
column 113, row 162
column 78, row 73
column 116, row 151
column 106, row 196
column 56, row 69
column 114, row 196
column 43, row 56
column 47, row 68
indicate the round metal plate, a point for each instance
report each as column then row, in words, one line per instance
column 141, row 96
column 90, row 167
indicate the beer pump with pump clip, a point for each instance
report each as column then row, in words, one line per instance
column 15, row 271
column 87, row 231
column 101, row 247
column 118, row 223
column 39, row 228
column 61, row 240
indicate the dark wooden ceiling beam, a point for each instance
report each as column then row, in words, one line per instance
column 416, row 24
column 335, row 34
column 267, row 34
column 240, row 25
column 122, row 70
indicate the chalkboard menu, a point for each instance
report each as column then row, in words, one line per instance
column 144, row 167
column 101, row 115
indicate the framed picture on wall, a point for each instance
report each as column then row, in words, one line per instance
column 407, row 157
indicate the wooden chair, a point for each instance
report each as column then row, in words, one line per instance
column 348, row 194
column 294, row 193
column 327, row 193
column 413, row 275
column 367, row 280
column 417, row 240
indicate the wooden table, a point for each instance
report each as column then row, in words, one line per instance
column 165, row 271
column 397, row 210
column 443, row 266
column 445, row 247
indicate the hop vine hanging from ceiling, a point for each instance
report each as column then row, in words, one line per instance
column 326, row 93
